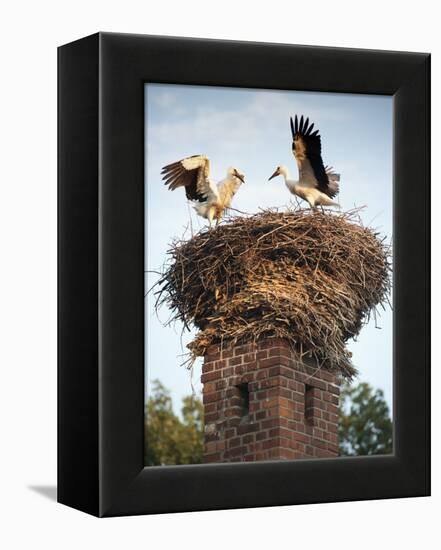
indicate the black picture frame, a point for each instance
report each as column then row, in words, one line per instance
column 101, row 274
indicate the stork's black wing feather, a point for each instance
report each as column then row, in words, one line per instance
column 307, row 146
column 184, row 173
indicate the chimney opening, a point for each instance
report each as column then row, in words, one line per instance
column 309, row 403
column 244, row 395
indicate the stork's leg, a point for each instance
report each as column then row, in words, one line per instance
column 218, row 218
column 210, row 215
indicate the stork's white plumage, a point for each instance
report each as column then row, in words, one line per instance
column 208, row 198
column 317, row 184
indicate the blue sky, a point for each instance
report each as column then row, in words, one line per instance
column 249, row 129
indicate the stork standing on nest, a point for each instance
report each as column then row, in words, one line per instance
column 208, row 198
column 317, row 184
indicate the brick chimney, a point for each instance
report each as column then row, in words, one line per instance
column 260, row 404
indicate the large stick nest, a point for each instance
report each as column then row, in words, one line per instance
column 309, row 277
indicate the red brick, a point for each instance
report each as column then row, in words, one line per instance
column 262, row 394
column 245, row 428
column 233, row 412
column 268, row 403
column 328, row 397
column 240, row 369
column 226, row 373
column 249, row 367
column 284, row 392
column 270, row 423
column 319, row 443
column 214, row 348
column 309, row 450
column 323, row 453
column 209, row 376
column 316, row 412
column 235, row 361
column 308, row 428
column 232, row 391
column 331, row 408
column 209, row 408
column 213, row 457
column 233, row 421
column 274, row 361
column 234, row 442
column 241, row 350
column 317, row 384
column 260, row 456
column 266, row 344
column 211, row 417
column 213, row 356
column 269, row 443
column 327, row 376
column 209, row 387
column 253, row 427
column 261, row 374
column 212, row 436
column 333, row 389
column 212, row 396
column 280, row 351
column 318, row 433
column 220, row 384
column 245, row 378
column 282, row 370
column 287, row 454
column 301, row 437
column 210, row 447
column 282, row 432
column 270, row 382
column 237, row 451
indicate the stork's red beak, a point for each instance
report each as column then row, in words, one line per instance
column 276, row 173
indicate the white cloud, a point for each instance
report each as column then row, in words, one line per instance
column 165, row 99
column 231, row 130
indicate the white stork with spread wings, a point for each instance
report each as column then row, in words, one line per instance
column 208, row 198
column 317, row 184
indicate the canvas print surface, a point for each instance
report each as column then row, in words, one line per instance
column 268, row 275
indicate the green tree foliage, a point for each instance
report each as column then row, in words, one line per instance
column 365, row 426
column 170, row 439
